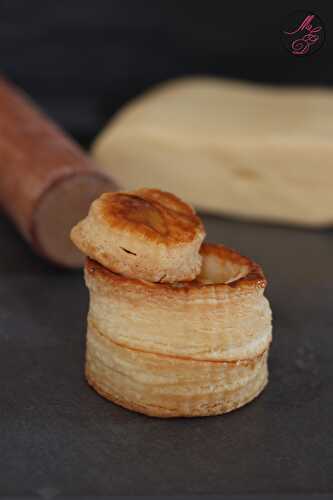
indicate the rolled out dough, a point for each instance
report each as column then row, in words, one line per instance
column 236, row 148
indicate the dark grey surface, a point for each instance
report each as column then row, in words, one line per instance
column 58, row 437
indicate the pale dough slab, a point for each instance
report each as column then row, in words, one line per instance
column 237, row 148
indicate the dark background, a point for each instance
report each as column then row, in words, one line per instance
column 82, row 59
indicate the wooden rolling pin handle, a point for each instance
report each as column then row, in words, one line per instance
column 47, row 183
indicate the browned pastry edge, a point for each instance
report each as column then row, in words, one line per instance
column 254, row 278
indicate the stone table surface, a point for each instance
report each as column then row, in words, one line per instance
column 58, row 437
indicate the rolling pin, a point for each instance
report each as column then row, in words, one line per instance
column 46, row 181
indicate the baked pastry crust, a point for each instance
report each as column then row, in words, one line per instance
column 222, row 315
column 166, row 386
column 146, row 234
column 185, row 349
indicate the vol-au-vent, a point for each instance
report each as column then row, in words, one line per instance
column 171, row 349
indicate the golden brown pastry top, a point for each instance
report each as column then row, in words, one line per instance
column 150, row 213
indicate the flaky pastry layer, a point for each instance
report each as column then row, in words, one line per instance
column 165, row 386
column 221, row 316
